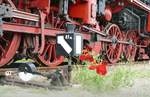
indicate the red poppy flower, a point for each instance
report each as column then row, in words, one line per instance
column 82, row 57
column 89, row 58
column 86, row 57
column 92, row 67
column 101, row 69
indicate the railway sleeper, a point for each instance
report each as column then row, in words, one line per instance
column 27, row 75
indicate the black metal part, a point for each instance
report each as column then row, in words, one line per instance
column 132, row 19
column 147, row 50
column 1, row 31
column 126, row 19
column 57, row 78
column 73, row 1
column 74, row 42
column 147, row 2
column 101, row 7
column 27, row 67
column 63, row 5
column 5, row 12
column 69, row 68
column 114, row 40
column 53, row 76
column 70, row 28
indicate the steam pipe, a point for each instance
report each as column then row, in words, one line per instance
column 141, row 4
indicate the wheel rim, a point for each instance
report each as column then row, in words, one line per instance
column 49, row 57
column 113, row 49
column 130, row 50
column 9, row 44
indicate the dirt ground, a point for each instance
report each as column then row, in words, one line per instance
column 140, row 88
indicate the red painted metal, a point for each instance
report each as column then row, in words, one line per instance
column 9, row 44
column 36, row 42
column 18, row 28
column 86, row 11
column 117, row 6
column 108, row 14
column 41, row 4
column 113, row 50
column 42, row 22
column 130, row 49
column 148, row 22
column 48, row 56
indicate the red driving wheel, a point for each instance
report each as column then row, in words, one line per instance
column 49, row 57
column 9, row 43
column 113, row 49
column 129, row 50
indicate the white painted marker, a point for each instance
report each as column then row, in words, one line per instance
column 64, row 44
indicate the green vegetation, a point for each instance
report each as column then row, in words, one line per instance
column 117, row 77
column 25, row 60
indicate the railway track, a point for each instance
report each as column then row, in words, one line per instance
column 43, row 77
column 46, row 77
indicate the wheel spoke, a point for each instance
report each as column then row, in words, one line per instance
column 130, row 50
column 5, row 40
column 113, row 51
column 50, row 53
column 8, row 46
column 54, row 53
column 49, row 57
column 2, row 49
column 45, row 50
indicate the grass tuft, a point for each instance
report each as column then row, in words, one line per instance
column 117, row 77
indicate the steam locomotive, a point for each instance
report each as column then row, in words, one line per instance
column 114, row 28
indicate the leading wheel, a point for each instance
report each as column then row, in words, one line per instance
column 113, row 49
column 9, row 43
